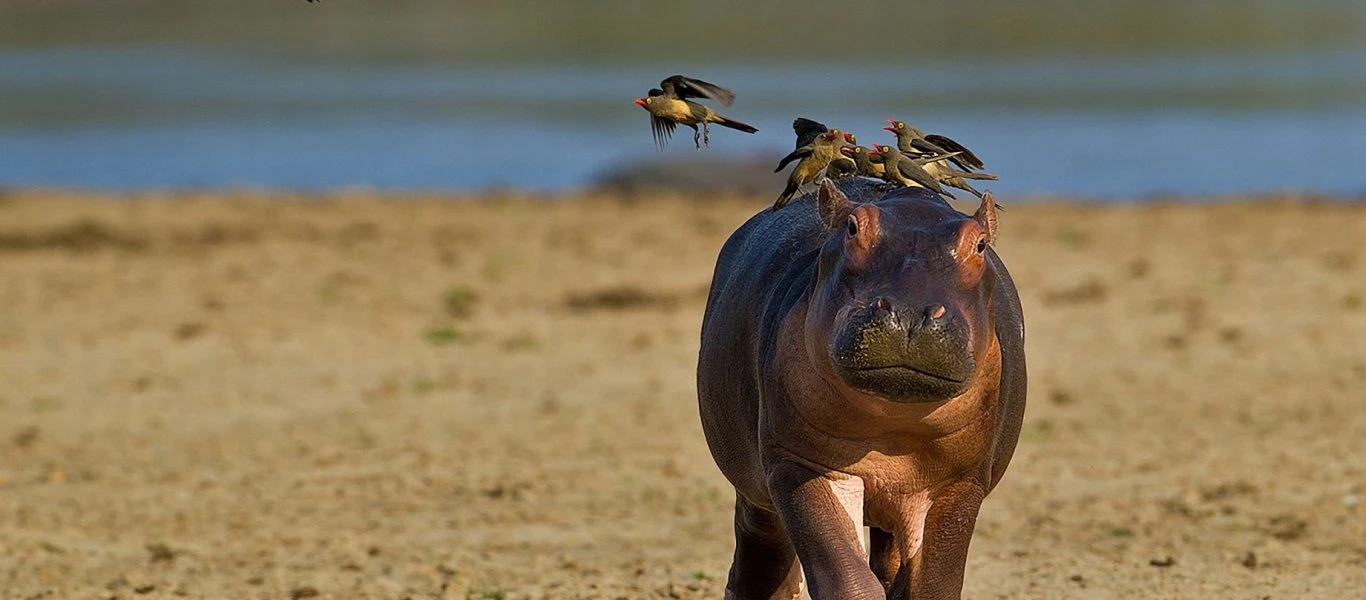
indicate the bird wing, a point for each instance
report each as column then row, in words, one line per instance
column 968, row 160
column 934, row 158
column 799, row 153
column 807, row 130
column 661, row 129
column 687, row 87
column 923, row 145
column 919, row 175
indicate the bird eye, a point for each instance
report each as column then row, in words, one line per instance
column 649, row 100
column 981, row 245
column 900, row 125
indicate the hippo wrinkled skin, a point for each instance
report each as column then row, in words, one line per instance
column 862, row 364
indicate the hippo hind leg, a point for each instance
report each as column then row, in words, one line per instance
column 884, row 556
column 765, row 565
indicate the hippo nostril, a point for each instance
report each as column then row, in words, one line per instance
column 882, row 304
column 933, row 316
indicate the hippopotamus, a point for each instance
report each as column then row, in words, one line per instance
column 862, row 365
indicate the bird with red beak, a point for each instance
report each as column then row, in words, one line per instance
column 669, row 106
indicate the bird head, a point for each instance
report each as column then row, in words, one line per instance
column 648, row 102
column 650, row 98
column 849, row 137
column 895, row 126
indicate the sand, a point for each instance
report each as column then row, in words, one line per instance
column 233, row 395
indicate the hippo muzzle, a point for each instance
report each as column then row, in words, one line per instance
column 920, row 354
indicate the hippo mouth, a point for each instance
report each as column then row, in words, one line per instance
column 907, row 370
column 903, row 383
column 928, row 360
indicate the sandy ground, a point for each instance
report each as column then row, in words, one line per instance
column 234, row 396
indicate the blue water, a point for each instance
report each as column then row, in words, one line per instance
column 129, row 118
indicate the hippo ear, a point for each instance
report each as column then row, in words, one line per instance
column 986, row 216
column 832, row 204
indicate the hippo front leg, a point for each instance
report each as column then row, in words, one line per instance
column 824, row 533
column 936, row 571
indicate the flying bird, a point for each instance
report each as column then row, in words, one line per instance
column 669, row 106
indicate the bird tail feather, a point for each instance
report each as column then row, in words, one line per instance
column 736, row 125
column 786, row 196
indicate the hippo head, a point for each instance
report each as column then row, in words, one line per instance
column 901, row 305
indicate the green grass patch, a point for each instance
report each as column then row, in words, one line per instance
column 459, row 301
column 443, row 335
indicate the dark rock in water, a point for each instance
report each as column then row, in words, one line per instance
column 710, row 173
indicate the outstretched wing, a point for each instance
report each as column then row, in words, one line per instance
column 661, row 129
column 687, row 87
column 807, row 130
column 967, row 160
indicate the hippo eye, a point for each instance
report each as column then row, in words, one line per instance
column 851, row 227
column 981, row 245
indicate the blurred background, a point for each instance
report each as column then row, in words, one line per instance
column 1102, row 100
column 245, row 353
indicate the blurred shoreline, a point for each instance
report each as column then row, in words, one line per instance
column 1106, row 101
column 642, row 194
